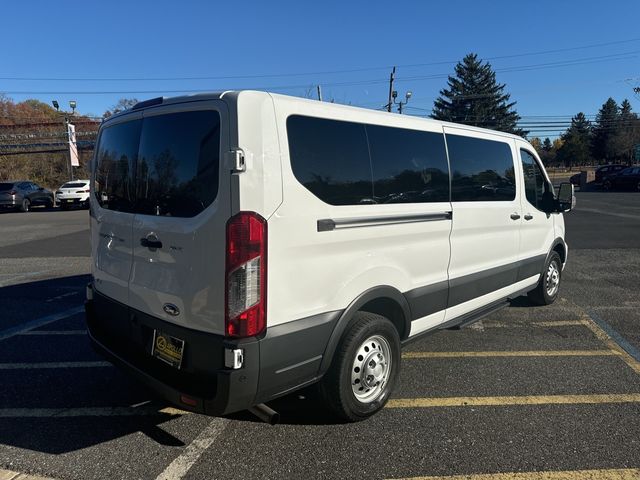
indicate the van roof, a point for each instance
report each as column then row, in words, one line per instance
column 286, row 98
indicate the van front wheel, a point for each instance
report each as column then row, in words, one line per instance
column 548, row 286
column 364, row 369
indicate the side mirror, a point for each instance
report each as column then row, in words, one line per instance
column 566, row 197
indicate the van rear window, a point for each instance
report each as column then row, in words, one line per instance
column 6, row 186
column 164, row 165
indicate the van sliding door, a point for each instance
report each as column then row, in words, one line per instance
column 486, row 219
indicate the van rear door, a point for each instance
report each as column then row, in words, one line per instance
column 183, row 203
column 113, row 204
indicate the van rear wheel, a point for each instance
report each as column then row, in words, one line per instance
column 548, row 286
column 364, row 369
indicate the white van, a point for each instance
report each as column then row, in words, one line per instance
column 247, row 244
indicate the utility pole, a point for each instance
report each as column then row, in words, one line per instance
column 393, row 74
column 319, row 93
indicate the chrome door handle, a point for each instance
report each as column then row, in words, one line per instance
column 514, row 216
column 528, row 216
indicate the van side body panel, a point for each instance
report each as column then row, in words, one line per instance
column 326, row 270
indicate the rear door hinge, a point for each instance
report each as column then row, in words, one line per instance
column 237, row 161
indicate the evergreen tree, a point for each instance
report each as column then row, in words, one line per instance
column 576, row 142
column 473, row 97
column 604, row 130
column 548, row 153
column 627, row 134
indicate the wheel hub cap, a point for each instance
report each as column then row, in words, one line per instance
column 371, row 368
column 553, row 278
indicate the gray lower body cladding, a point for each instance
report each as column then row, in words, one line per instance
column 288, row 356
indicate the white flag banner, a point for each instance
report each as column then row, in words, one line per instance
column 73, row 148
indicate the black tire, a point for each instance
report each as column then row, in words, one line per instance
column 548, row 286
column 64, row 206
column 336, row 386
column 25, row 206
column 607, row 186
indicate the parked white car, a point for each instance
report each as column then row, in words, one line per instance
column 248, row 244
column 73, row 193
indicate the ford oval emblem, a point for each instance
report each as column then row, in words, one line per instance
column 171, row 309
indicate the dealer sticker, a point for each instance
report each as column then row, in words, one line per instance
column 167, row 348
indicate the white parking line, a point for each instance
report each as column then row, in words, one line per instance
column 41, row 365
column 39, row 322
column 192, row 452
column 87, row 412
column 53, row 299
column 55, row 332
column 11, row 475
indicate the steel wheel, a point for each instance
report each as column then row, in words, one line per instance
column 371, row 369
column 552, row 278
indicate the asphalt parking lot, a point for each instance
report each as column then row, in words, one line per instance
column 547, row 389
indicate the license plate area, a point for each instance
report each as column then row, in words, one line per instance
column 167, row 348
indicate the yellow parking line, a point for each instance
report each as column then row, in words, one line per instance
column 560, row 323
column 430, row 402
column 612, row 345
column 612, row 474
column 520, row 353
column 552, row 323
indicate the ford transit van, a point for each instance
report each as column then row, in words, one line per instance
column 246, row 244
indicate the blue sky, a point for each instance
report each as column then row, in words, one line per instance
column 289, row 47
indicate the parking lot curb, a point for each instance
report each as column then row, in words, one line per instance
column 10, row 475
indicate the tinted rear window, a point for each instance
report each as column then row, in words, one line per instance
column 178, row 163
column 73, row 185
column 482, row 170
column 163, row 165
column 115, row 163
column 5, row 186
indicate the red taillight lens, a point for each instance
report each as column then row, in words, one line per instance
column 246, row 275
column 12, row 192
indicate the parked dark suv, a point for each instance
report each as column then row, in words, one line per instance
column 627, row 179
column 607, row 170
column 22, row 195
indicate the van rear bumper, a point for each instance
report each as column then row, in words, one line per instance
column 124, row 337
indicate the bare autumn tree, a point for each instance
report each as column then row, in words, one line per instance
column 26, row 129
column 123, row 104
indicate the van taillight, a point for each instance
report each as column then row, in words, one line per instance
column 12, row 192
column 246, row 275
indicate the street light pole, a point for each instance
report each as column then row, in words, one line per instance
column 401, row 103
column 72, row 104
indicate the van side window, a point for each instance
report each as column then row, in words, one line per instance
column 534, row 182
column 178, row 163
column 346, row 163
column 409, row 166
column 331, row 159
column 115, row 160
column 482, row 170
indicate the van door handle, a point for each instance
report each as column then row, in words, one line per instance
column 514, row 216
column 528, row 216
column 145, row 242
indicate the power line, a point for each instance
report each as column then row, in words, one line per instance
column 541, row 66
column 300, row 74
